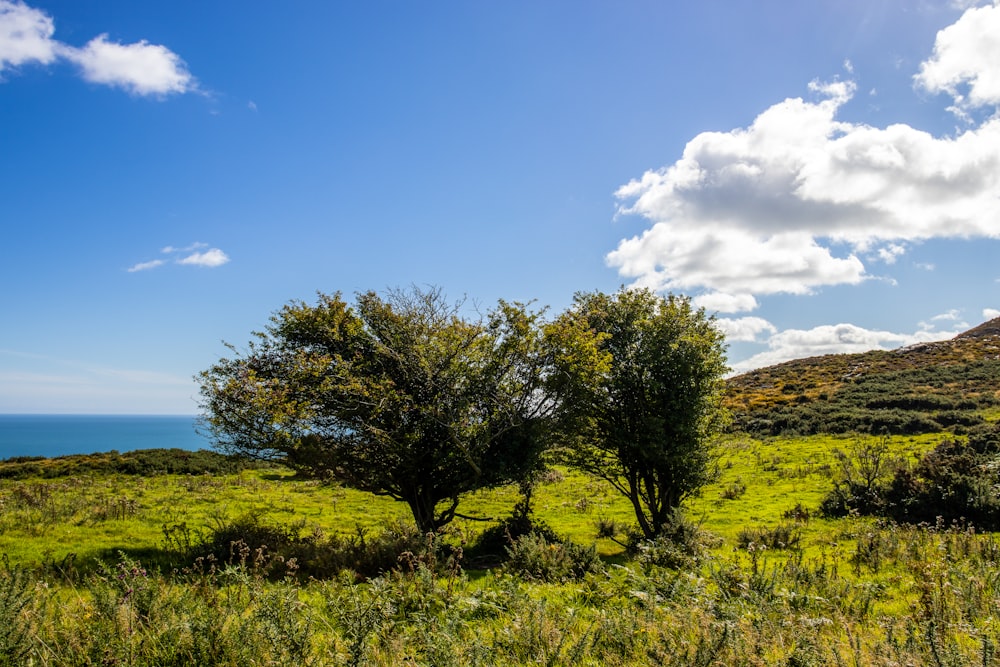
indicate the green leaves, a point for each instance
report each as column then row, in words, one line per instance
column 648, row 380
column 405, row 395
column 400, row 395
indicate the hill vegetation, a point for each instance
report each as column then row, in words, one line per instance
column 925, row 388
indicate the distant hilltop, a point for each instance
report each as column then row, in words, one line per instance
column 927, row 387
column 990, row 329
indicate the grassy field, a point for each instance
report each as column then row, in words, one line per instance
column 116, row 569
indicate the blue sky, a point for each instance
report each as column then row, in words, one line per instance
column 824, row 176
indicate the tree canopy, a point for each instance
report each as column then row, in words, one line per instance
column 650, row 409
column 398, row 395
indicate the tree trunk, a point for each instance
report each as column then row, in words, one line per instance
column 423, row 506
column 423, row 512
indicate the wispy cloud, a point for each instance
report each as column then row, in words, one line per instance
column 145, row 266
column 952, row 315
column 800, row 199
column 74, row 386
column 26, row 37
column 192, row 256
column 194, row 246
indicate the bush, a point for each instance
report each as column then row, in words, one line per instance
column 863, row 471
column 782, row 536
column 954, row 482
column 280, row 551
column 535, row 557
column 492, row 546
column 681, row 544
column 17, row 589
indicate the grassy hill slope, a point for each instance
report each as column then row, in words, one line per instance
column 923, row 388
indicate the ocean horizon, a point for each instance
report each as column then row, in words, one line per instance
column 64, row 434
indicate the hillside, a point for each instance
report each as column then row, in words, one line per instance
column 923, row 388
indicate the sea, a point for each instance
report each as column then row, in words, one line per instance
column 60, row 435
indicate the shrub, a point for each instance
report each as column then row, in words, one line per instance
column 282, row 550
column 681, row 545
column 535, row 557
column 782, row 536
column 17, row 589
column 492, row 546
column 956, row 481
column 863, row 471
column 735, row 490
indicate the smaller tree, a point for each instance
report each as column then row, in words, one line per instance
column 400, row 396
column 646, row 415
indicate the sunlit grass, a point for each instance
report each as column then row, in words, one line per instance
column 760, row 483
column 848, row 591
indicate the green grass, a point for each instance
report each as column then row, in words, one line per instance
column 849, row 591
column 779, row 474
column 92, row 515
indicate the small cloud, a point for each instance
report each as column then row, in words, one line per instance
column 964, row 61
column 952, row 315
column 145, row 266
column 140, row 68
column 252, row 105
column 926, row 266
column 991, row 313
column 849, row 66
column 891, row 252
column 210, row 258
column 194, row 246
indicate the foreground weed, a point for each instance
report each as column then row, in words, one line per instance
column 17, row 595
column 359, row 613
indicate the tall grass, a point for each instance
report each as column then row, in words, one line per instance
column 258, row 568
column 921, row 596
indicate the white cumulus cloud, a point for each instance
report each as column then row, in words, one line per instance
column 26, row 36
column 990, row 313
column 140, row 68
column 798, row 198
column 965, row 60
column 744, row 329
column 726, row 303
column 210, row 258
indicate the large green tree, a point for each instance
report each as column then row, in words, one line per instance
column 651, row 409
column 400, row 395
